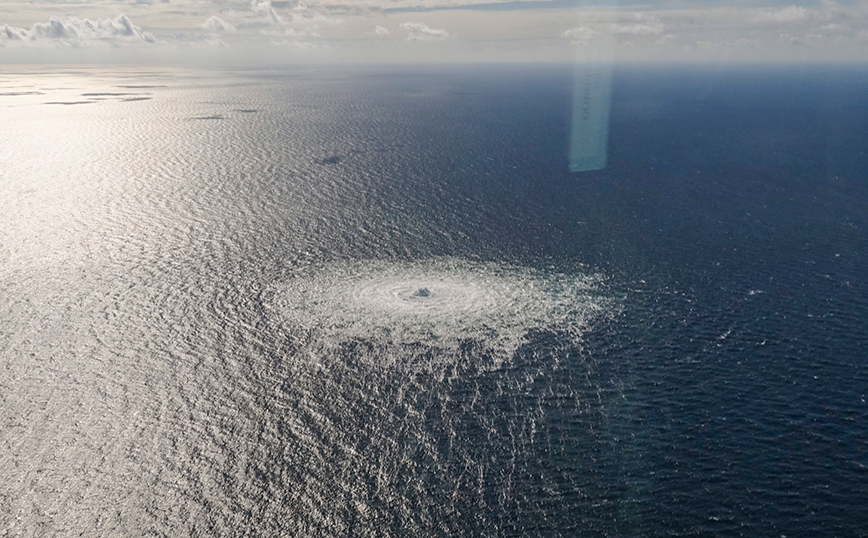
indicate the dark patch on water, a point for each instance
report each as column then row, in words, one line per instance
column 67, row 103
column 335, row 159
column 206, row 118
column 16, row 94
column 105, row 94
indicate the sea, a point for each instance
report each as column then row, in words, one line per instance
column 375, row 302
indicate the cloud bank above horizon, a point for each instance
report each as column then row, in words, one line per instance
column 441, row 30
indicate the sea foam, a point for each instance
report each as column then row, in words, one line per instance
column 440, row 304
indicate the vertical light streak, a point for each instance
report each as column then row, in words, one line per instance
column 592, row 96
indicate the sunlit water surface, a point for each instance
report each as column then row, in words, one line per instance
column 362, row 303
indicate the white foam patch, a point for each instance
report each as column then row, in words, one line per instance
column 440, row 303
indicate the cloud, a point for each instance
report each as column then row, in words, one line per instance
column 264, row 7
column 644, row 25
column 787, row 15
column 295, row 43
column 809, row 39
column 579, row 34
column 417, row 31
column 291, row 32
column 660, row 29
column 829, row 9
column 216, row 24
column 75, row 32
column 637, row 29
column 834, row 27
column 665, row 40
column 379, row 32
column 286, row 18
column 202, row 41
column 729, row 45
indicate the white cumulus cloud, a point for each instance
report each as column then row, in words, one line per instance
column 417, row 31
column 264, row 7
column 579, row 34
column 216, row 24
column 75, row 32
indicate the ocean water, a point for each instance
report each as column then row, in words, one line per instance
column 375, row 302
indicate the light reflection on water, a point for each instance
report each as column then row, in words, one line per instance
column 147, row 223
column 211, row 318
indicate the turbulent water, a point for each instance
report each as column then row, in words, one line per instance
column 375, row 302
column 436, row 306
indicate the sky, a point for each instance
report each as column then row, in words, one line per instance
column 251, row 32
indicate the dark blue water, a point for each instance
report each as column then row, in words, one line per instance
column 213, row 318
column 733, row 213
column 744, row 199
